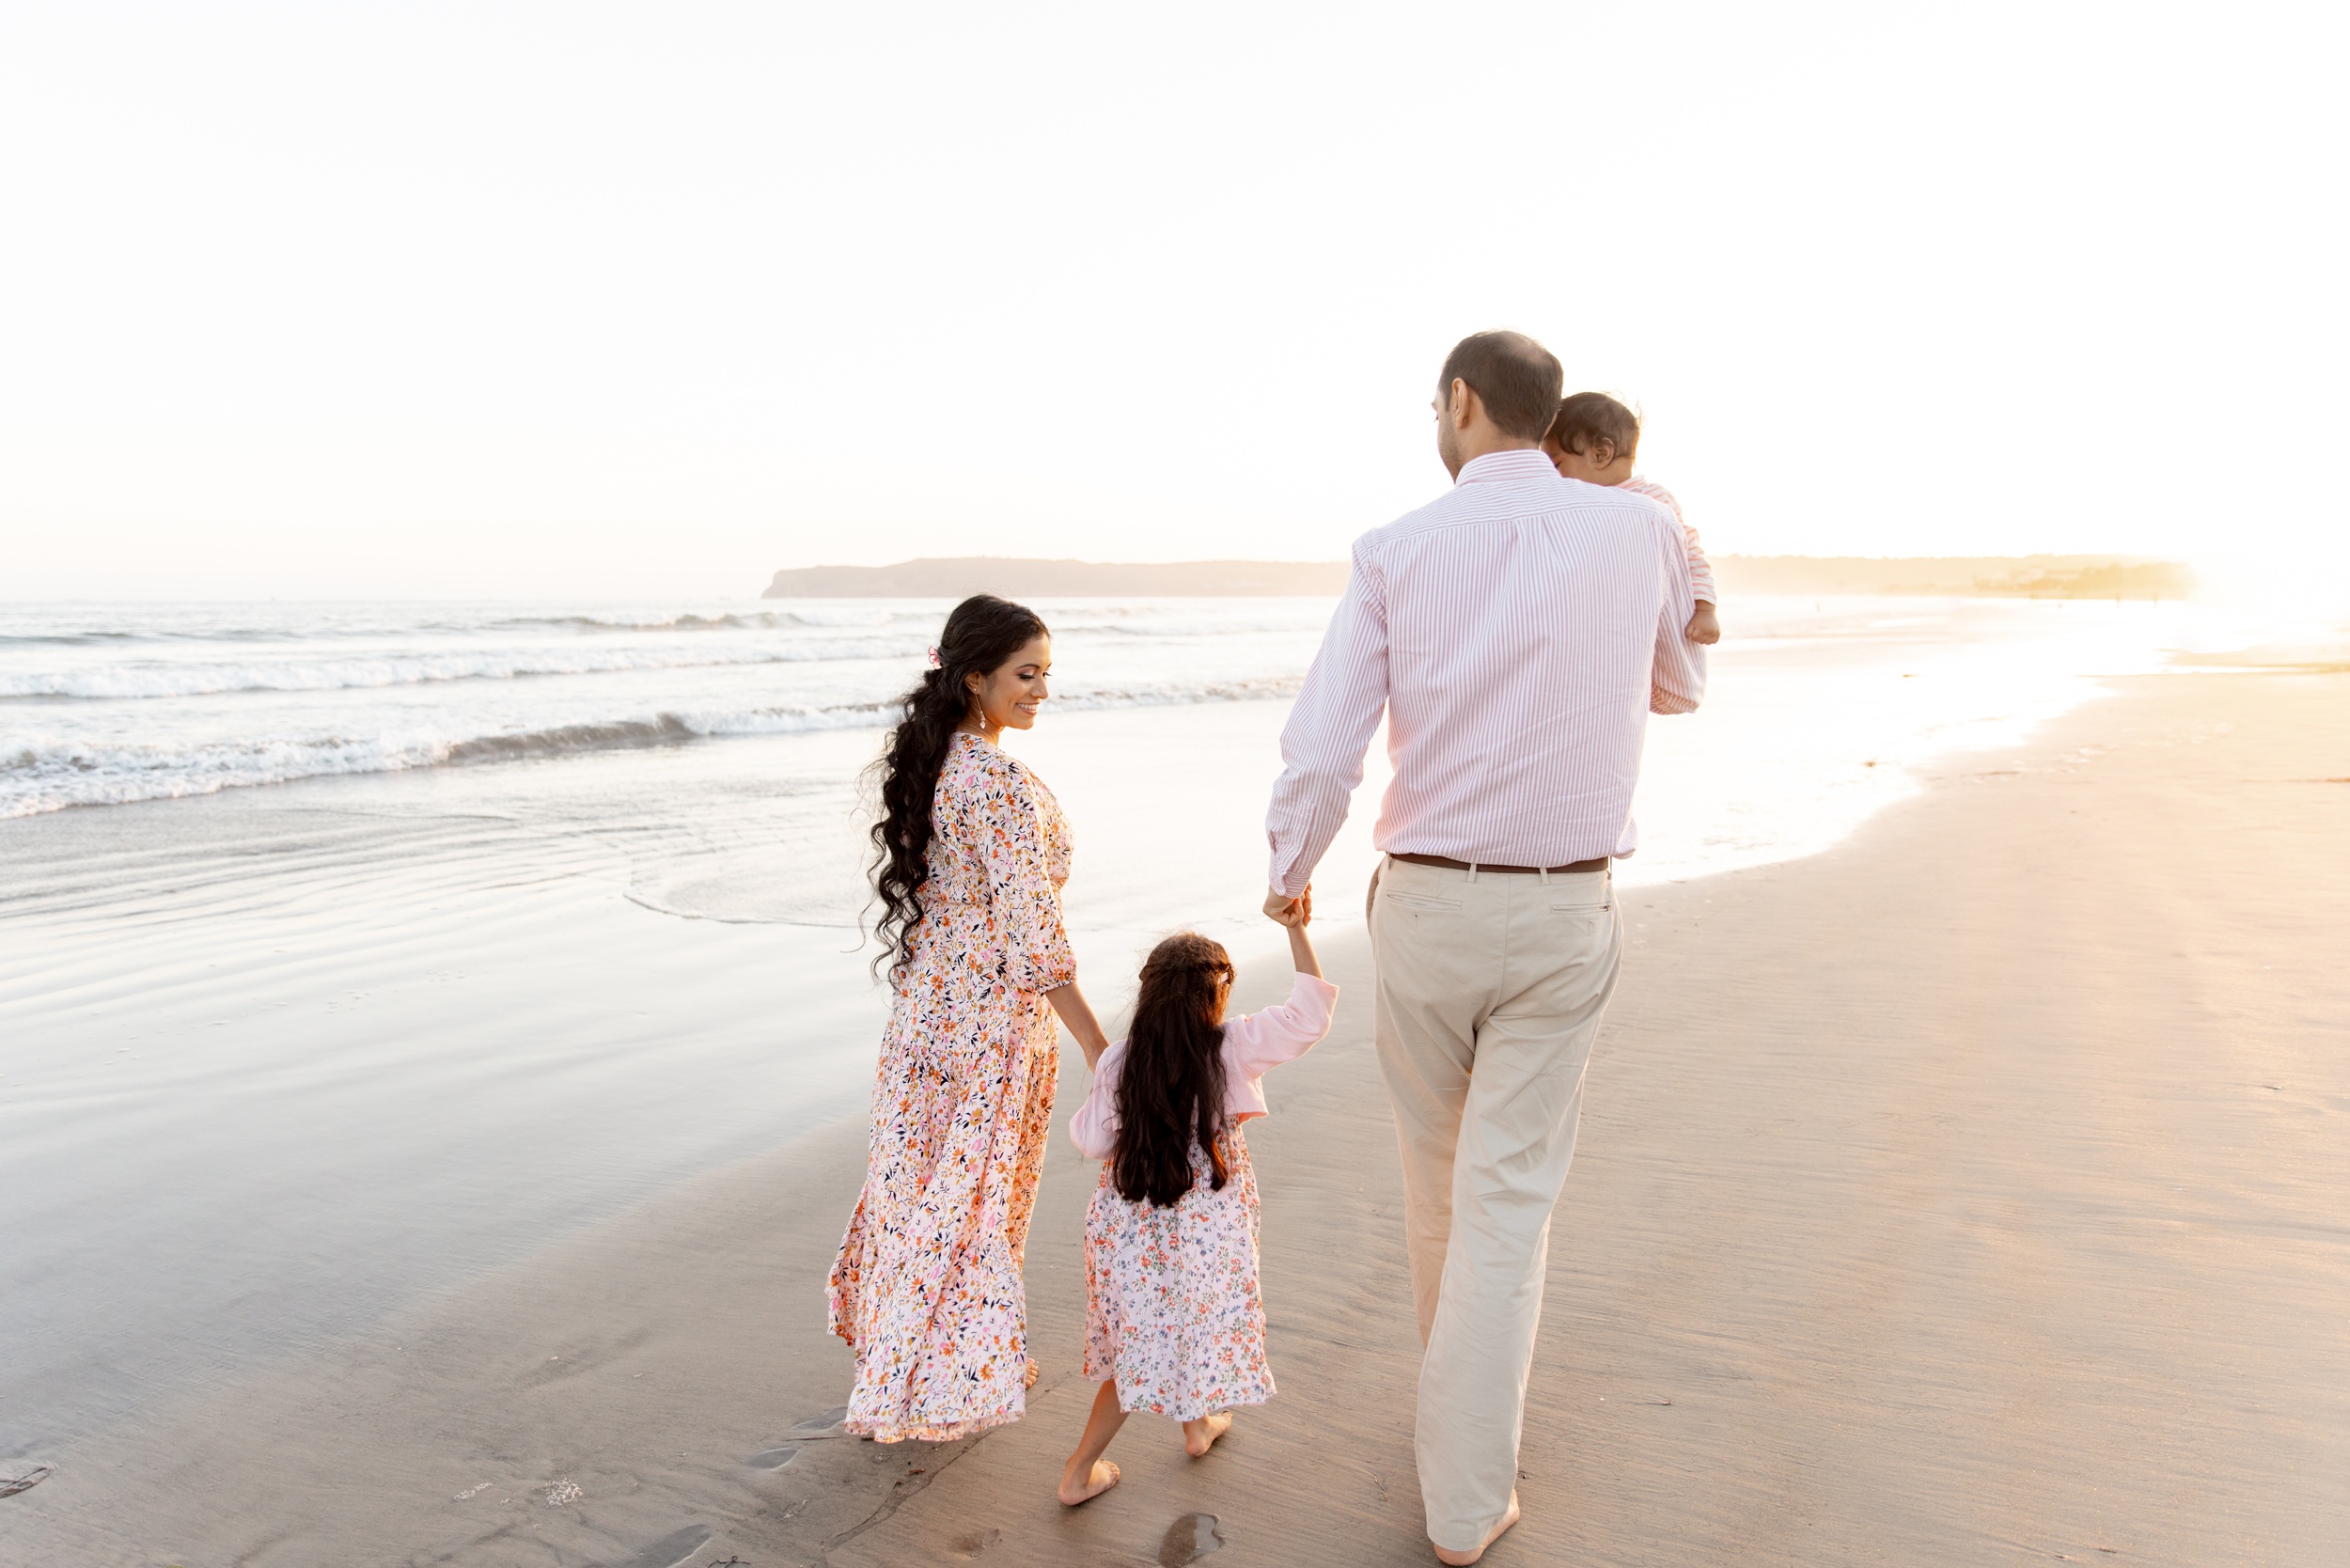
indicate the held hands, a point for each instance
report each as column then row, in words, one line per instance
column 1296, row 913
column 1076, row 1016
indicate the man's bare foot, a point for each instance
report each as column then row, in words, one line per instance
column 1458, row 1559
column 1105, row 1476
column 1200, row 1436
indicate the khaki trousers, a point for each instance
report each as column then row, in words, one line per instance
column 1489, row 988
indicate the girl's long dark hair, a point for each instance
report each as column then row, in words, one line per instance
column 982, row 633
column 1170, row 1093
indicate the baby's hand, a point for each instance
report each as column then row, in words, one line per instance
column 1705, row 626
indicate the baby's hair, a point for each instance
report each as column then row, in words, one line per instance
column 1170, row 1091
column 1588, row 418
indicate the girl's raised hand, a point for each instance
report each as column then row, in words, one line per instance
column 1301, row 945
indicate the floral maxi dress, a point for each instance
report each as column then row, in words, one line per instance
column 927, row 1289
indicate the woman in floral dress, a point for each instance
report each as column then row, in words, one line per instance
column 972, row 851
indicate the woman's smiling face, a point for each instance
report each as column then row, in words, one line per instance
column 1007, row 697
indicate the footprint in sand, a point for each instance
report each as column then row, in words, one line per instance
column 24, row 1482
column 1189, row 1538
column 783, row 1453
column 669, row 1551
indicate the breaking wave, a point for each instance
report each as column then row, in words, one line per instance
column 215, row 678
column 49, row 777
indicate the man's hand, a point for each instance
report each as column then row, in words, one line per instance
column 1705, row 627
column 1283, row 910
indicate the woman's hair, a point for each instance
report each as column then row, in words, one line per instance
column 982, row 633
column 1588, row 418
column 1170, row 1091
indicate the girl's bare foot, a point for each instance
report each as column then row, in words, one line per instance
column 1200, row 1436
column 1072, row 1493
column 1460, row 1560
column 1087, row 1475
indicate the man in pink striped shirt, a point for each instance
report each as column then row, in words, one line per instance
column 1516, row 633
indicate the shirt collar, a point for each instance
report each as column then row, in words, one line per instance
column 1517, row 463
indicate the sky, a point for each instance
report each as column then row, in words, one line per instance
column 360, row 300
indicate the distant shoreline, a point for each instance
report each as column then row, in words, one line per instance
column 957, row 577
column 2004, row 577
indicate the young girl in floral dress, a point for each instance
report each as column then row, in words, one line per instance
column 1174, row 1322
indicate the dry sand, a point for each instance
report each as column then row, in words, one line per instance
column 1975, row 1192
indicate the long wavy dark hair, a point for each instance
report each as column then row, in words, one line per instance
column 982, row 633
column 1170, row 1091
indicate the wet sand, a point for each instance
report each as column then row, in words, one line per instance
column 1973, row 1191
column 275, row 1062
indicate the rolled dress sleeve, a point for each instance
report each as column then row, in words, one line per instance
column 1022, row 898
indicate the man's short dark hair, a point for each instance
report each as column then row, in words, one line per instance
column 1588, row 418
column 1516, row 378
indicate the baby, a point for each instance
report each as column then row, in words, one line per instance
column 1595, row 439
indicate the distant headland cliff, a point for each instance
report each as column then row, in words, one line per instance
column 2006, row 577
column 2021, row 576
column 954, row 578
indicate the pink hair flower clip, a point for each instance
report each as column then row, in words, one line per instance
column 934, row 658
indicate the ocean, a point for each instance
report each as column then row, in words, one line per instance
column 349, row 950
column 112, row 704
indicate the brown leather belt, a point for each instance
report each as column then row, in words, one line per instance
column 1598, row 865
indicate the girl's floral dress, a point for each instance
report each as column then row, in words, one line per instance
column 1173, row 1312
column 927, row 1287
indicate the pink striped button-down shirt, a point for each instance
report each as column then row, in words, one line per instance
column 1517, row 631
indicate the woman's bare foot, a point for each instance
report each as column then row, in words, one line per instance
column 1459, row 1560
column 1200, row 1436
column 1072, row 1493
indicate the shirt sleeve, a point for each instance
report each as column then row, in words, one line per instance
column 1020, row 891
column 1094, row 1128
column 1329, row 730
column 1700, row 570
column 1677, row 675
column 1258, row 1042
